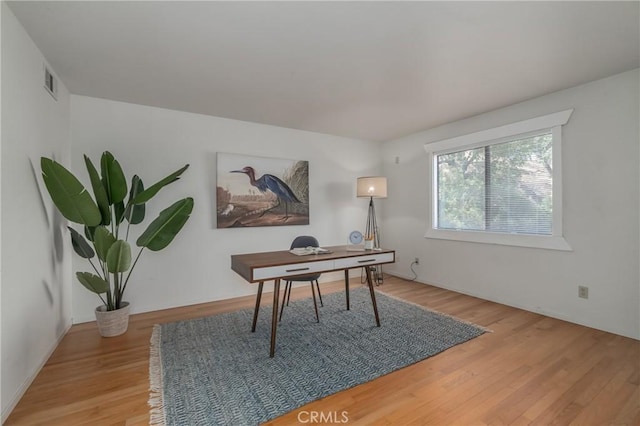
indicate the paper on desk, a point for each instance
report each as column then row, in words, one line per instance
column 303, row 251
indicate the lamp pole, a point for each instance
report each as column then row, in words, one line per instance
column 372, row 187
column 371, row 232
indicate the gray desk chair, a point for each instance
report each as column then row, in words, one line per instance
column 303, row 241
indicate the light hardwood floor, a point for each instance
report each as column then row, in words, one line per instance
column 530, row 370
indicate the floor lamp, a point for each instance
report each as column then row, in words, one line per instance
column 372, row 187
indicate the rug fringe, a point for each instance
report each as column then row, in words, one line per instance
column 156, row 401
column 485, row 329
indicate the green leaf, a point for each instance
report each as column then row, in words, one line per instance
column 89, row 232
column 113, row 178
column 80, row 245
column 99, row 192
column 68, row 194
column 118, row 211
column 166, row 226
column 119, row 257
column 93, row 282
column 103, row 240
column 135, row 212
column 150, row 192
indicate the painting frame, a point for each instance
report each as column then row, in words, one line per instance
column 255, row 191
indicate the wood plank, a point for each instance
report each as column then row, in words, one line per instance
column 530, row 369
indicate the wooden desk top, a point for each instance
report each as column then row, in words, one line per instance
column 244, row 264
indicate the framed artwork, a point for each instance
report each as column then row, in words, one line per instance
column 261, row 191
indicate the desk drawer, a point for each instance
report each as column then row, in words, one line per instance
column 372, row 259
column 271, row 272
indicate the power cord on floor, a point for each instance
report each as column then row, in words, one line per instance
column 415, row 275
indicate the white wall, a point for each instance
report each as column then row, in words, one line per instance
column 601, row 221
column 195, row 268
column 36, row 266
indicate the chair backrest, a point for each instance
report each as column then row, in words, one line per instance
column 304, row 241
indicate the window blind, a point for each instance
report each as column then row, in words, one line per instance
column 504, row 187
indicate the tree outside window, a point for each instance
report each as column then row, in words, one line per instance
column 504, row 187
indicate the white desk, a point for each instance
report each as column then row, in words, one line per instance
column 278, row 265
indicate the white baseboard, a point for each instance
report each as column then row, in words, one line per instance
column 403, row 276
column 22, row 389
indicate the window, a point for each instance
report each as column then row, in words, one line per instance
column 504, row 187
column 501, row 185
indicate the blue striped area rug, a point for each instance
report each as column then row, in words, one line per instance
column 215, row 371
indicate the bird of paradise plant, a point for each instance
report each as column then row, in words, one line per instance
column 104, row 218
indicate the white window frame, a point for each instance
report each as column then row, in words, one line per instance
column 551, row 123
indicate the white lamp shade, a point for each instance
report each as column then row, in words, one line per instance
column 372, row 186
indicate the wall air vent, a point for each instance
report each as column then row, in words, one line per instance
column 50, row 83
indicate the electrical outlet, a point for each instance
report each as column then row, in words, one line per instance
column 583, row 292
column 416, row 260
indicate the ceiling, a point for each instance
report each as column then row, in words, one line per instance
column 365, row 70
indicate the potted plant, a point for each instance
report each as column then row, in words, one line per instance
column 103, row 221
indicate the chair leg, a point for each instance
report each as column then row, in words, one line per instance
column 315, row 305
column 289, row 293
column 319, row 295
column 286, row 286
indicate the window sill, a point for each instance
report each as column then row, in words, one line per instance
column 533, row 241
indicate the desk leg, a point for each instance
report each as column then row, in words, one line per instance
column 373, row 295
column 346, row 286
column 274, row 316
column 257, row 308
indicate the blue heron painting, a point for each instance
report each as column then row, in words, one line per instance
column 258, row 191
